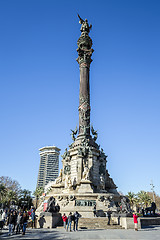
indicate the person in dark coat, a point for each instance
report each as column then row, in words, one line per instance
column 24, row 223
column 94, row 211
column 109, row 217
column 75, row 219
column 14, row 220
column 10, row 223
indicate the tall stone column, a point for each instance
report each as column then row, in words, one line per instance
column 84, row 59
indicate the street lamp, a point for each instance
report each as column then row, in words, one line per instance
column 152, row 189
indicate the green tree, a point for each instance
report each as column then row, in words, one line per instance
column 143, row 198
column 11, row 196
column 25, row 199
column 10, row 184
column 10, row 190
column 3, row 193
column 132, row 198
column 37, row 193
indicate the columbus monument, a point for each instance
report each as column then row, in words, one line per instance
column 84, row 180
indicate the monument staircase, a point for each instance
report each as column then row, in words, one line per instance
column 97, row 223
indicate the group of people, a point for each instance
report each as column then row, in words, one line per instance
column 67, row 221
column 17, row 220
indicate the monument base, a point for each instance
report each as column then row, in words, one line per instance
column 48, row 220
column 85, row 187
column 84, row 202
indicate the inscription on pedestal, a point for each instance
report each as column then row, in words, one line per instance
column 85, row 203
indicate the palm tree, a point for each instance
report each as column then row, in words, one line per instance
column 11, row 196
column 131, row 197
column 144, row 198
column 25, row 198
column 37, row 193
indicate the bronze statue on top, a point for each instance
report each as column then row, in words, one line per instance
column 85, row 26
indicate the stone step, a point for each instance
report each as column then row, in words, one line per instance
column 97, row 223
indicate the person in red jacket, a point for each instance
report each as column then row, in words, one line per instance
column 135, row 222
column 64, row 217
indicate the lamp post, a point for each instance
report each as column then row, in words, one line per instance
column 152, row 189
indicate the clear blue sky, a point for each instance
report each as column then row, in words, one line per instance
column 39, row 85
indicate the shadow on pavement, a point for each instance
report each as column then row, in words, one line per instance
column 150, row 228
column 34, row 235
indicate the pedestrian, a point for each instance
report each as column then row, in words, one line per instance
column 109, row 217
column 75, row 219
column 19, row 218
column 10, row 223
column 4, row 217
column 69, row 223
column 135, row 222
column 24, row 223
column 94, row 210
column 33, row 218
column 14, row 220
column 64, row 217
column 143, row 211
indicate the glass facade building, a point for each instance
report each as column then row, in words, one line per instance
column 49, row 165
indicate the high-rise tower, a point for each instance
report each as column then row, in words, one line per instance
column 49, row 165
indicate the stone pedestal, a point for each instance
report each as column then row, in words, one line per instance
column 85, row 187
column 48, row 220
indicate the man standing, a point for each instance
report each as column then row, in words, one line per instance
column 94, row 210
column 109, row 217
column 75, row 219
column 69, row 221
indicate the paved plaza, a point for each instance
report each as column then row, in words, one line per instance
column 151, row 233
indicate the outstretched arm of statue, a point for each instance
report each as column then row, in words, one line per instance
column 80, row 19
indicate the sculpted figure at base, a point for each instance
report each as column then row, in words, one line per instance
column 59, row 179
column 51, row 207
column 151, row 209
column 85, row 173
column 125, row 206
column 68, row 182
column 102, row 182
